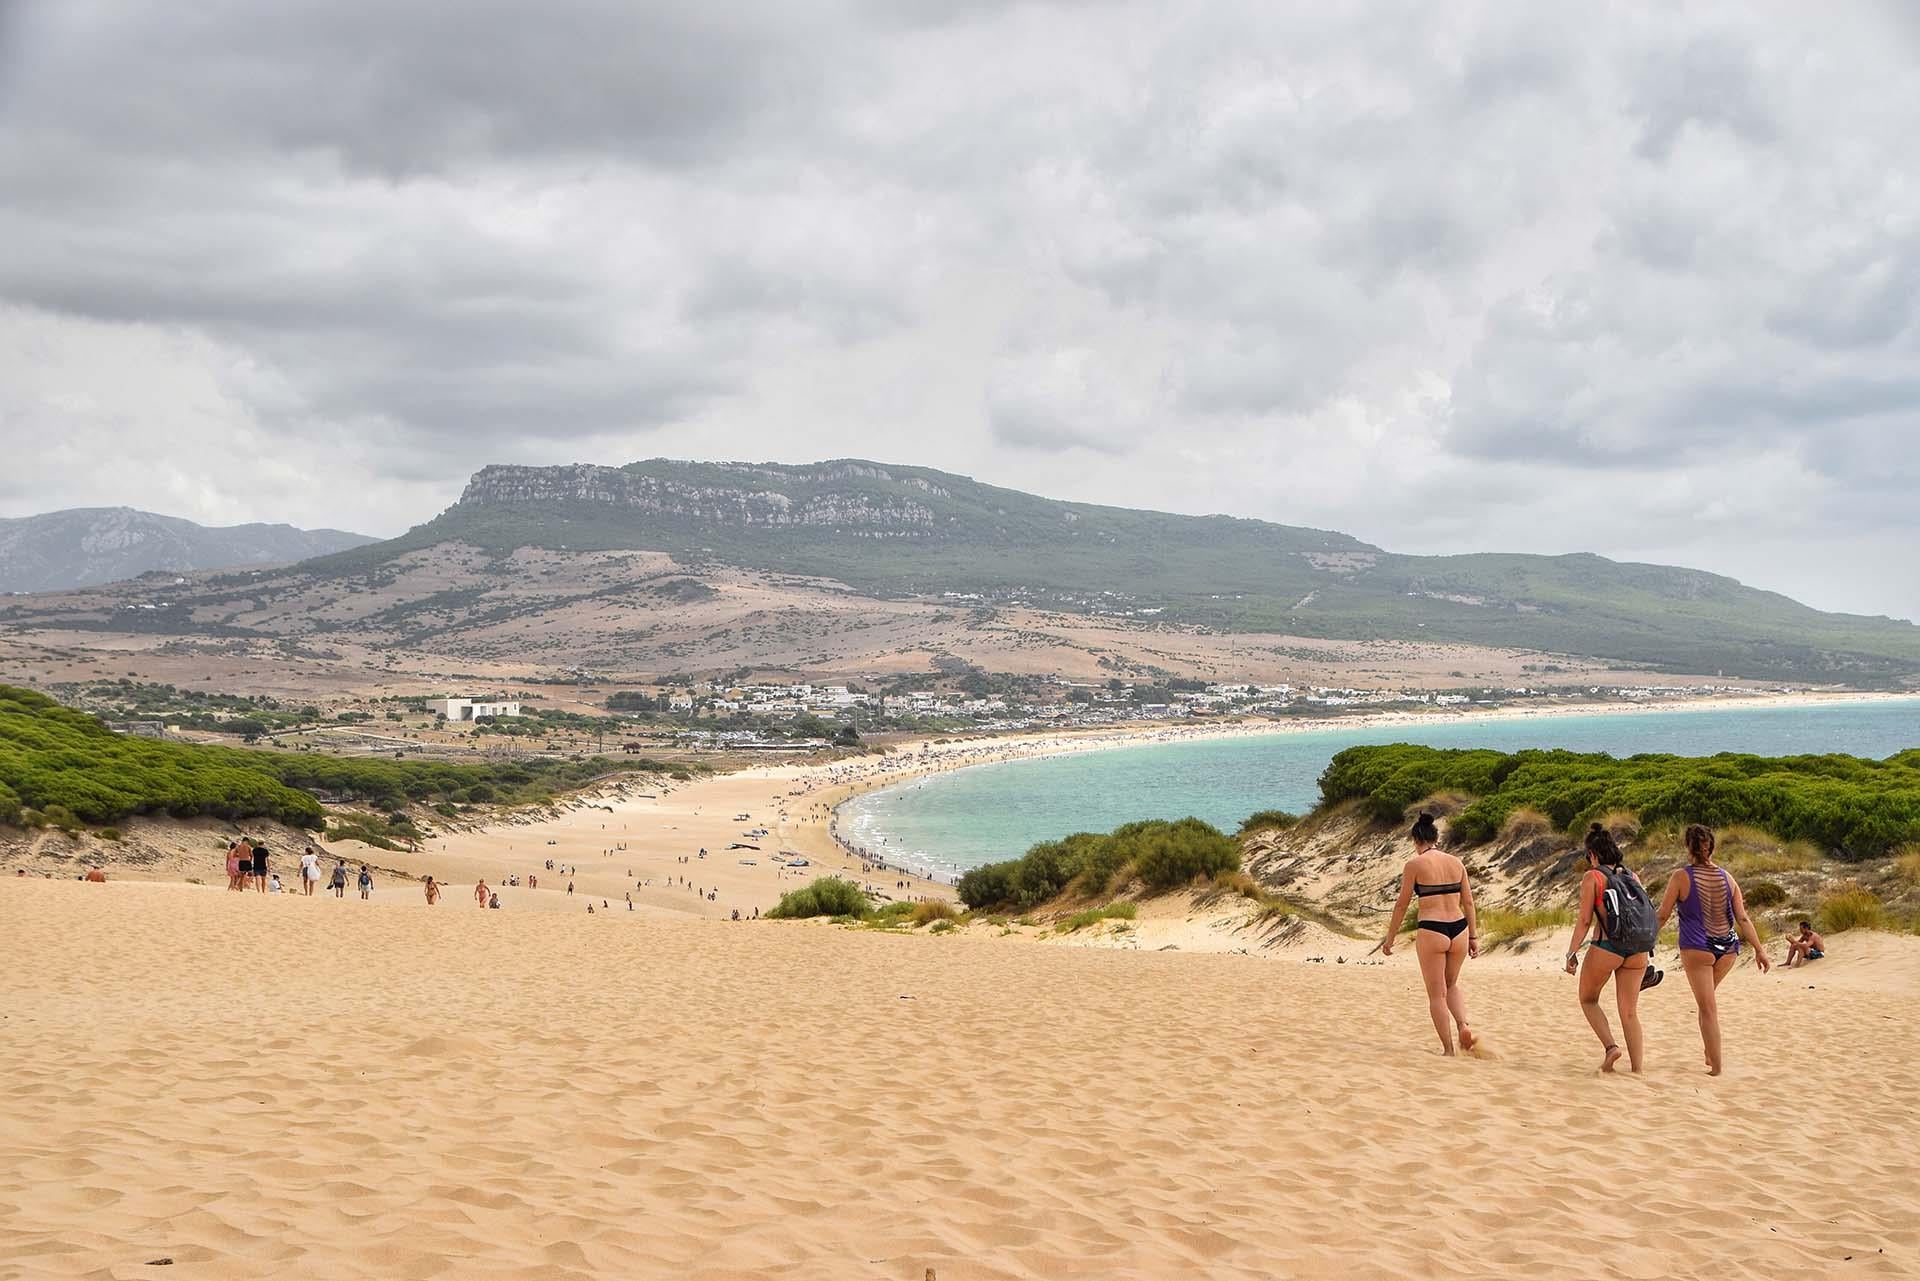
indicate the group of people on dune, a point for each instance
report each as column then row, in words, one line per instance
column 1616, row 924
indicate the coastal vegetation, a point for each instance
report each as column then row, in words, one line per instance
column 1268, row 821
column 55, row 760
column 1161, row 855
column 829, row 896
column 1856, row 809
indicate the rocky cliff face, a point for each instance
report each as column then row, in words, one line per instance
column 753, row 501
column 88, row 545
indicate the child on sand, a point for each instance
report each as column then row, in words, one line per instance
column 1713, row 919
column 1446, row 936
column 1615, row 908
column 365, row 881
column 1805, row 946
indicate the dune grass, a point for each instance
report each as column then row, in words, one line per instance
column 1502, row 925
column 1526, row 824
column 1906, row 866
column 1094, row 915
column 1851, row 907
column 931, row 911
column 1267, row 821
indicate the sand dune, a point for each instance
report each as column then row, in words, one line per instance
column 269, row 1086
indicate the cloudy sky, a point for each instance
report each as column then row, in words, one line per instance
column 1641, row 280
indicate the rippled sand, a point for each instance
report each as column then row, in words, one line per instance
column 271, row 1086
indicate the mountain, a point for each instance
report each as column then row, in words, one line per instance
column 87, row 545
column 893, row 532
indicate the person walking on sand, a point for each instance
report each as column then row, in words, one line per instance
column 1446, row 935
column 433, row 892
column 233, row 864
column 1615, row 909
column 339, row 880
column 1713, row 919
column 309, row 871
column 260, row 864
column 480, row 893
column 365, row 881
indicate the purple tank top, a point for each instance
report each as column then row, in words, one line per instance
column 1693, row 921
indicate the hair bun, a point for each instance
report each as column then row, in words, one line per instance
column 1425, row 817
column 1596, row 828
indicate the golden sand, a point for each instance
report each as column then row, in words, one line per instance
column 273, row 1086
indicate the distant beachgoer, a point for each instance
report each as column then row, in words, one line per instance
column 1614, row 907
column 233, row 864
column 533, row 882
column 569, row 887
column 1805, row 946
column 433, row 892
column 273, row 885
column 365, row 881
column 480, row 893
column 339, row 880
column 95, row 875
column 1713, row 919
column 493, row 900
column 1439, row 880
column 260, row 865
column 309, row 871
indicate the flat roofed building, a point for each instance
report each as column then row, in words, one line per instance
column 466, row 709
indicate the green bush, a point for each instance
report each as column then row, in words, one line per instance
column 53, row 758
column 1764, row 894
column 1164, row 855
column 829, row 896
column 1856, row 808
column 1268, row 821
column 108, row 833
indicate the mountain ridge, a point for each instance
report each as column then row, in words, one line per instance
column 891, row 531
column 87, row 546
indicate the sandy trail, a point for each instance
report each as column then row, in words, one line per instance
column 275, row 1086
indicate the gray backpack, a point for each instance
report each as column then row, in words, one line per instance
column 1626, row 912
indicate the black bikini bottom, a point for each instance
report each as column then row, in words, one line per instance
column 1449, row 928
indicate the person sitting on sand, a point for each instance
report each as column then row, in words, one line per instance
column 1805, row 946
column 97, row 876
column 273, row 884
column 1713, row 919
column 1615, row 909
column 1446, row 935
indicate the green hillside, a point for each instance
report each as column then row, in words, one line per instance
column 893, row 531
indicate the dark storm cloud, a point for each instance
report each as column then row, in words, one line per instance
column 331, row 256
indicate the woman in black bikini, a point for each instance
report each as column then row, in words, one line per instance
column 1447, row 934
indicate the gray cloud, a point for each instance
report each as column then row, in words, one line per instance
column 325, row 257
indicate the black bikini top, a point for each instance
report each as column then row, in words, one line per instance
column 1428, row 891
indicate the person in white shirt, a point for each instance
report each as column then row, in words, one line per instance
column 309, row 871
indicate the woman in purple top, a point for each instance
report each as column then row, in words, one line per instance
column 1713, row 919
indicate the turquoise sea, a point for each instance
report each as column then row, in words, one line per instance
column 950, row 822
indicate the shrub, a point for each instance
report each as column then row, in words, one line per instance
column 935, row 909
column 1526, row 824
column 1906, row 865
column 108, row 833
column 1764, row 894
column 1857, row 808
column 1851, row 908
column 1268, row 821
column 943, row 927
column 829, row 896
column 1162, row 854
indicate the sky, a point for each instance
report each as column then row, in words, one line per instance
column 1640, row 280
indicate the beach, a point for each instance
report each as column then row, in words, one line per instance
column 270, row 1086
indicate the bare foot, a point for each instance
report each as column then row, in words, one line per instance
column 1712, row 1070
column 1467, row 1037
column 1613, row 1057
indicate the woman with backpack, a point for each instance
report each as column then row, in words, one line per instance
column 1447, row 934
column 1713, row 918
column 1613, row 907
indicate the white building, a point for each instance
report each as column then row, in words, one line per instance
column 465, row 709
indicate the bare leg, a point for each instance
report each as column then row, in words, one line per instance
column 1700, row 968
column 1433, row 972
column 1456, row 998
column 1626, row 994
column 1594, row 973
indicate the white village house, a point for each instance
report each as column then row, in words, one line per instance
column 465, row 709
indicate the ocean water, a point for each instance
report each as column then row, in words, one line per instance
column 951, row 822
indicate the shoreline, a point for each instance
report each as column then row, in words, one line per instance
column 933, row 758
